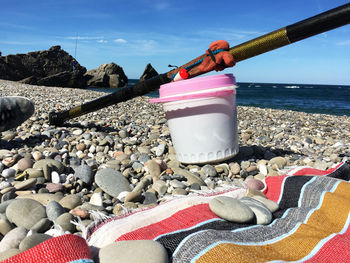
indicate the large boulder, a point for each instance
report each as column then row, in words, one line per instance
column 53, row 67
column 148, row 73
column 107, row 75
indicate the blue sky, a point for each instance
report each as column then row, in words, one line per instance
column 133, row 33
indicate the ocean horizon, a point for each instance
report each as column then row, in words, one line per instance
column 309, row 98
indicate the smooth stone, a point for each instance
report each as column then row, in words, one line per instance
column 42, row 225
column 112, row 182
column 88, row 206
column 77, row 132
column 13, row 238
column 177, row 184
column 191, row 177
column 5, row 226
column 150, row 198
column 209, row 170
column 179, row 191
column 133, row 196
column 33, row 240
column 64, row 221
column 24, row 164
column 145, row 251
column 114, row 164
column 4, row 184
column 42, row 198
column 231, row 209
column 55, row 177
column 263, row 169
column 35, row 172
column 160, row 187
column 9, row 253
column 84, row 173
column 26, row 184
column 96, row 199
column 56, row 165
column 253, row 192
column 262, row 213
column 37, row 155
column 70, row 201
column 271, row 205
column 160, row 150
column 9, row 172
column 153, row 168
column 54, row 187
column 144, row 182
column 254, row 184
column 235, row 168
column 54, row 210
column 4, row 205
column 25, row 212
column 279, row 161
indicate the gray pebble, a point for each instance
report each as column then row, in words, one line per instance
column 32, row 241
column 112, row 182
column 64, row 221
column 209, row 170
column 149, row 198
column 25, row 212
column 85, row 173
column 54, row 210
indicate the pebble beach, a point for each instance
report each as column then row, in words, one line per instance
column 121, row 158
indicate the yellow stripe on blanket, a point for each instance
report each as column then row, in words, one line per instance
column 328, row 219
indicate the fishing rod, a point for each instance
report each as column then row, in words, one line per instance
column 318, row 24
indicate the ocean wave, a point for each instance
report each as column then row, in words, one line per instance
column 292, row 87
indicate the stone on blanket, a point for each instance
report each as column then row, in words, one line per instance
column 112, row 182
column 254, row 184
column 133, row 251
column 271, row 205
column 262, row 213
column 231, row 209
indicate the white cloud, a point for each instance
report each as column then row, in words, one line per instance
column 344, row 43
column 120, row 40
column 102, row 41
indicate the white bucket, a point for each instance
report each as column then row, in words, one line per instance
column 202, row 118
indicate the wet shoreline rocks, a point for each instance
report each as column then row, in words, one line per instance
column 121, row 158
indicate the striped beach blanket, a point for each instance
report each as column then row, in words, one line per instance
column 312, row 224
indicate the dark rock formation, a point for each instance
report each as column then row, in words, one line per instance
column 148, row 73
column 107, row 75
column 53, row 67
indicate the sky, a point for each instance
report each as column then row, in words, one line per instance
column 133, row 33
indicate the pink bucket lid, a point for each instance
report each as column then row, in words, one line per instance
column 177, row 90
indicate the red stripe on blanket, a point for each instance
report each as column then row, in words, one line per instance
column 180, row 220
column 313, row 171
column 274, row 187
column 274, row 183
column 334, row 250
column 60, row 249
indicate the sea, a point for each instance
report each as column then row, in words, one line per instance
column 310, row 98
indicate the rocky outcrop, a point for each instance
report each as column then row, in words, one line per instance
column 148, row 73
column 53, row 67
column 107, row 75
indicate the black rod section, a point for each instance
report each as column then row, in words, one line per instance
column 318, row 24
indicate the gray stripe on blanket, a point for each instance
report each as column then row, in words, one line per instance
column 310, row 199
